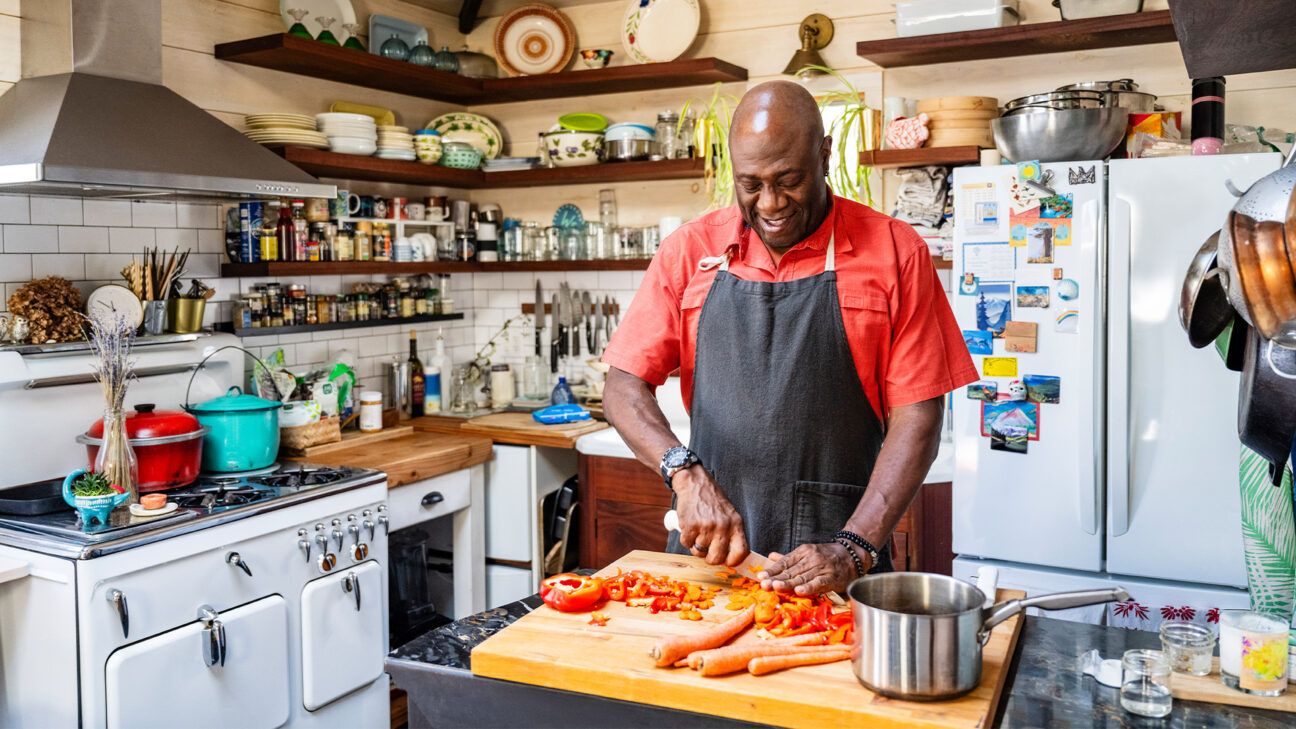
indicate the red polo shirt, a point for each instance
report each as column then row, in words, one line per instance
column 902, row 335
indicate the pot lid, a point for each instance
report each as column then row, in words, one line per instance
column 149, row 422
column 235, row 401
column 583, row 122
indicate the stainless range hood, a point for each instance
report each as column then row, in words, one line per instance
column 91, row 117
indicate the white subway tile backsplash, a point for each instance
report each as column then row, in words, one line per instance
column 488, row 280
column 68, row 265
column 131, row 240
column 30, row 239
column 182, row 238
column 153, row 214
column 517, row 280
column 15, row 209
column 82, row 239
column 211, row 241
column 583, row 280
column 15, row 267
column 202, row 265
column 615, row 280
column 373, row 346
column 503, row 299
column 191, row 215
column 312, row 352
column 294, row 338
column 107, row 212
column 261, row 341
column 106, row 266
column 56, row 210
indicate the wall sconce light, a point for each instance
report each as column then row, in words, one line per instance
column 816, row 33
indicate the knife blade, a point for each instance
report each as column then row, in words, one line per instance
column 555, row 334
column 598, row 329
column 587, row 312
column 539, row 319
column 607, row 320
column 751, row 565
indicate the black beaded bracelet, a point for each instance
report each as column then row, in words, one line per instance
column 860, row 542
column 859, row 566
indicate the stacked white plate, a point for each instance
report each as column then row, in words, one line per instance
column 395, row 143
column 349, row 133
column 277, row 129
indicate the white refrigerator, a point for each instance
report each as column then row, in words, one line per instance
column 1099, row 447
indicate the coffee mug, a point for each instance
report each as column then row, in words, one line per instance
column 397, row 208
column 415, row 210
column 380, row 207
column 340, row 207
column 360, row 206
column 438, row 208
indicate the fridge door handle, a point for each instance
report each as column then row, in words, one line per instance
column 1119, row 447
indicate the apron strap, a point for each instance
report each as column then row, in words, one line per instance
column 722, row 260
column 830, row 260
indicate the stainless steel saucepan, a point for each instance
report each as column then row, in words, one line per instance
column 918, row 636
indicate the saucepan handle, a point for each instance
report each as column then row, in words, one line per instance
column 1055, row 601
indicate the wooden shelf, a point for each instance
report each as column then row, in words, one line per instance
column 335, row 268
column 323, row 163
column 1021, row 40
column 402, row 321
column 921, row 157
column 283, row 52
column 940, row 262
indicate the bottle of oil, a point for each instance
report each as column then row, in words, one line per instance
column 417, row 388
column 285, row 234
column 269, row 236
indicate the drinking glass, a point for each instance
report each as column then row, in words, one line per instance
column 353, row 37
column 461, row 386
column 326, row 35
column 298, row 28
column 1188, row 646
column 1145, row 683
column 608, row 208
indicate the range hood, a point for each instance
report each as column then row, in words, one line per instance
column 90, row 116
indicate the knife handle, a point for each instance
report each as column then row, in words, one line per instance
column 554, row 355
column 539, row 348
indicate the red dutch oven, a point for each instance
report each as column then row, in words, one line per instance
column 167, row 443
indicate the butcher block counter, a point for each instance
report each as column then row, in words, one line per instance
column 410, row 458
column 510, row 428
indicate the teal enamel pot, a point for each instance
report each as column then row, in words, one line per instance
column 244, row 431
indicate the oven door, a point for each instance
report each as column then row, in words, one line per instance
column 343, row 633
column 165, row 681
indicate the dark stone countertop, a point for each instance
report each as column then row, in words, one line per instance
column 1044, row 690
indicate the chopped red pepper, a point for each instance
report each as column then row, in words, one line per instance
column 599, row 619
column 572, row 593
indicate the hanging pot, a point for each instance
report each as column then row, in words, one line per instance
column 1267, row 400
column 167, row 443
column 1204, row 308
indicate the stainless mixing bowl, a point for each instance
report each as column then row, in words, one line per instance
column 1060, row 136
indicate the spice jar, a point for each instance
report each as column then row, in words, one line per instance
column 665, row 132
column 371, row 403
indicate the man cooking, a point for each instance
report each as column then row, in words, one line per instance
column 815, row 345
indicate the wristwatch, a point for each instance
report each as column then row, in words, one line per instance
column 675, row 460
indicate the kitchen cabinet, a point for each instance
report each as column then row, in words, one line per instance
column 248, row 690
column 342, row 615
column 518, row 479
column 622, row 503
column 461, row 496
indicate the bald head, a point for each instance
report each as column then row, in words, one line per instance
column 780, row 162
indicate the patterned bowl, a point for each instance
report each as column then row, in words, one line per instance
column 460, row 156
column 574, row 149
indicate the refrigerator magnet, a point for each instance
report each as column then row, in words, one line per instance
column 1068, row 322
column 1029, row 170
column 1057, row 207
column 1021, row 336
column 1067, row 289
column 1044, row 389
column 1039, row 243
column 1016, row 391
column 994, row 307
column 1009, row 440
column 985, row 391
column 1004, row 414
column 978, row 341
column 1062, row 234
column 1057, row 274
column 969, row 286
column 1082, row 175
column 999, row 366
column 1032, row 297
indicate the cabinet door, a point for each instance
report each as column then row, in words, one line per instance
column 343, row 636
column 165, row 681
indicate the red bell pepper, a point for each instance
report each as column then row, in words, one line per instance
column 571, row 593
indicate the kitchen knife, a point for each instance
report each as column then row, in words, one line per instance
column 539, row 319
column 751, row 565
column 597, row 337
column 607, row 320
column 555, row 334
column 587, row 313
column 578, row 324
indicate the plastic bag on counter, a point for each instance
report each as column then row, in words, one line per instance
column 271, row 379
column 1239, row 138
column 1149, row 145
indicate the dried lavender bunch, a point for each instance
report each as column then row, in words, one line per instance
column 111, row 339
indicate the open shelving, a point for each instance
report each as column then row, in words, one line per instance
column 401, row 321
column 1029, row 39
column 289, row 53
column 335, row 268
column 921, row 157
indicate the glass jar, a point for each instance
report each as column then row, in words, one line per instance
column 445, row 243
column 116, row 459
column 1253, row 652
column 381, row 242
column 312, row 309
column 363, row 241
column 596, row 241
column 394, row 48
column 1145, row 683
column 423, row 55
column 342, row 247
column 572, row 244
column 608, row 208
column 361, row 307
column 1188, row 647
column 665, row 132
column 650, row 241
column 551, row 250
column 371, row 403
column 322, row 314
column 685, row 137
column 511, row 243
column 532, row 241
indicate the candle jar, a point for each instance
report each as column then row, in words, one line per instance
column 1253, row 652
column 1145, row 683
column 1188, row 647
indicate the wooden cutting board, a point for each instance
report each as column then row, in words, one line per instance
column 350, row 439
column 522, row 429
column 562, row 651
column 1209, row 689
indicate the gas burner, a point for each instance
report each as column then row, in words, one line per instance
column 300, row 477
column 221, row 494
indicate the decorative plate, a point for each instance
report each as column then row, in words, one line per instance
column 568, row 216
column 340, row 10
column 534, row 39
column 474, row 129
column 656, row 31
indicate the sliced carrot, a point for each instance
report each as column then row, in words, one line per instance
column 670, row 649
column 769, row 664
column 721, row 661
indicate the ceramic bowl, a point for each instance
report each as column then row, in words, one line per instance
column 574, row 149
column 352, row 145
column 460, row 156
column 596, row 57
column 428, row 155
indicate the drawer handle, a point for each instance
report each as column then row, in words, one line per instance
column 213, row 636
column 433, row 499
column 118, row 600
column 351, row 584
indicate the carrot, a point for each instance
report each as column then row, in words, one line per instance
column 769, row 664
column 736, row 657
column 810, row 639
column 668, row 650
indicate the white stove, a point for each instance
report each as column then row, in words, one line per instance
column 260, row 602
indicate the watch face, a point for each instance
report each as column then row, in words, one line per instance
column 676, row 457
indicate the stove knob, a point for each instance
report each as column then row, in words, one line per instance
column 305, row 547
column 369, row 524
column 326, row 562
column 322, row 541
column 355, row 533
column 351, row 517
column 301, row 532
column 319, row 527
column 382, row 508
column 336, row 522
column 338, row 537
column 367, row 512
column 359, row 552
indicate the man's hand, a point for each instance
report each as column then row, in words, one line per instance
column 811, row 569
column 709, row 525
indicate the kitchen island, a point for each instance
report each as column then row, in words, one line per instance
column 1044, row 689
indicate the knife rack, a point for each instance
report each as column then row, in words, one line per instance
column 530, row 309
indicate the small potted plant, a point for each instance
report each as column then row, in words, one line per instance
column 93, row 495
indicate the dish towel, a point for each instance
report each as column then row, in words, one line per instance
column 1268, row 537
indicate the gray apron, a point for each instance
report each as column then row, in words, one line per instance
column 779, row 416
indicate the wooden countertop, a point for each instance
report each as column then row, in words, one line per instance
column 412, row 458
column 549, row 436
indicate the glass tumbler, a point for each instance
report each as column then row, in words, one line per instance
column 1188, row 647
column 1253, row 652
column 1145, row 683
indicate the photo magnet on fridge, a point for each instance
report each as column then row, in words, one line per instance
column 994, row 307
column 985, row 391
column 1039, row 243
column 1043, row 388
column 1032, row 297
column 999, row 366
column 1009, row 440
column 978, row 341
column 1068, row 322
column 969, row 285
column 1005, row 414
column 1021, row 336
column 1056, row 207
